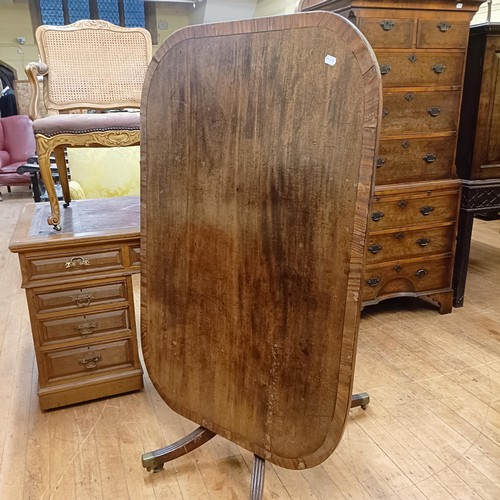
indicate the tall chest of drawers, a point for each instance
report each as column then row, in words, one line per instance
column 421, row 48
column 79, row 291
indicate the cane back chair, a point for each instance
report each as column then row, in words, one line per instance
column 88, row 65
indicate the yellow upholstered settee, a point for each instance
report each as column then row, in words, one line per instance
column 104, row 172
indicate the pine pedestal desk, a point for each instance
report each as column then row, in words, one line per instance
column 79, row 290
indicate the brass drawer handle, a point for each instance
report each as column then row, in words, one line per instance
column 412, row 58
column 402, row 204
column 434, row 111
column 380, row 162
column 83, row 300
column 76, row 262
column 438, row 68
column 430, row 158
column 375, row 248
column 90, row 363
column 426, row 210
column 86, row 328
column 373, row 281
column 387, row 25
column 421, row 273
column 423, row 242
column 384, row 69
column 443, row 27
column 376, row 216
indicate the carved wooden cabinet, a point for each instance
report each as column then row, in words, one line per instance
column 478, row 150
column 79, row 291
column 421, row 49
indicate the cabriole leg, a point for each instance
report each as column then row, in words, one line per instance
column 62, row 170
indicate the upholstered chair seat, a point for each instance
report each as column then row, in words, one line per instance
column 87, row 123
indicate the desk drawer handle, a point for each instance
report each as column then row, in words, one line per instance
column 399, row 236
column 76, row 262
column 438, row 68
column 86, row 328
column 83, row 300
column 443, row 27
column 380, row 162
column 90, row 363
column 412, row 58
column 426, row 210
column 385, row 112
column 402, row 204
column 421, row 273
column 376, row 216
column 423, row 242
column 409, row 96
column 387, row 25
column 430, row 158
column 373, row 281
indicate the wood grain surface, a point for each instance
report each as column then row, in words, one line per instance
column 257, row 151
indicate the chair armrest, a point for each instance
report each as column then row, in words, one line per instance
column 33, row 71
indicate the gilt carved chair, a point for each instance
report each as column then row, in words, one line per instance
column 88, row 65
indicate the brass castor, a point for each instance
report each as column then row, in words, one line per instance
column 57, row 227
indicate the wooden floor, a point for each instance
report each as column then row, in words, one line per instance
column 432, row 430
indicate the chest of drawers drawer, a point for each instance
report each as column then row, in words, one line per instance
column 398, row 32
column 65, row 264
column 407, row 208
column 411, row 244
column 50, row 300
column 420, row 112
column 388, row 32
column 442, row 33
column 87, row 361
column 411, row 276
column 414, row 68
column 415, row 159
column 84, row 326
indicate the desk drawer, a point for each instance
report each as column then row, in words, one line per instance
column 407, row 277
column 84, row 326
column 405, row 69
column 72, row 263
column 87, row 361
column 135, row 256
column 420, row 112
column 415, row 160
column 412, row 244
column 442, row 34
column 409, row 209
column 47, row 300
column 387, row 32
